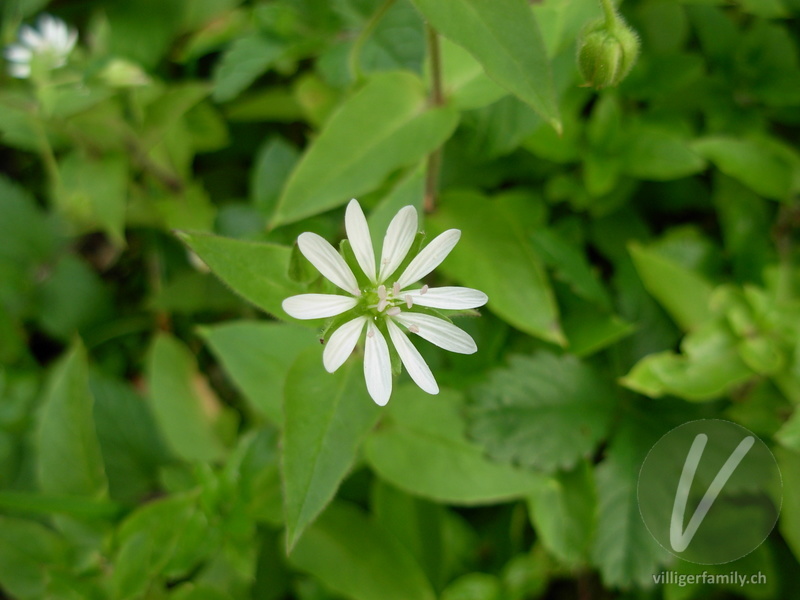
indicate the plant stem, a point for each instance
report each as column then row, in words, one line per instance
column 610, row 13
column 437, row 99
column 355, row 52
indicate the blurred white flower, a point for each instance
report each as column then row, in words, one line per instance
column 46, row 47
column 384, row 305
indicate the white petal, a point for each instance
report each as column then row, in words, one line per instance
column 416, row 366
column 18, row 54
column 377, row 366
column 431, row 257
column 358, row 233
column 327, row 261
column 440, row 332
column 31, row 38
column 451, row 298
column 20, row 71
column 341, row 344
column 317, row 306
column 399, row 237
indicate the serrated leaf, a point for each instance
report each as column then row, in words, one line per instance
column 182, row 405
column 504, row 36
column 257, row 355
column 543, row 411
column 623, row 550
column 422, row 449
column 256, row 271
column 325, row 419
column 496, row 256
column 386, row 125
column 70, row 461
column 356, row 558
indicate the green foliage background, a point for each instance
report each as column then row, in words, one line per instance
column 166, row 432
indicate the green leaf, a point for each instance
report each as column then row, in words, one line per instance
column 623, row 550
column 655, row 154
column 543, row 411
column 247, row 59
column 274, row 162
column 570, row 265
column 563, row 512
column 789, row 524
column 385, row 126
column 183, row 405
column 755, row 164
column 93, row 192
column 464, row 81
column 684, row 294
column 257, row 355
column 29, row 554
column 258, row 272
column 358, row 559
column 325, row 418
column 496, row 256
column 70, row 461
column 132, row 448
column 504, row 37
column 422, row 449
column 164, row 538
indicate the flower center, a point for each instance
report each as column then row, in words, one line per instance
column 388, row 301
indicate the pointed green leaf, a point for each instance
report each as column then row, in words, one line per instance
column 325, row 418
column 358, row 559
column 505, row 38
column 496, row 256
column 385, row 126
column 69, row 453
column 256, row 271
column 423, row 450
column 257, row 356
column 684, row 294
column 181, row 405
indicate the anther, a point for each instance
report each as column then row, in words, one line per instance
column 396, row 289
column 423, row 290
column 382, row 304
column 409, row 301
column 394, row 311
column 370, row 333
column 382, row 292
column 413, row 329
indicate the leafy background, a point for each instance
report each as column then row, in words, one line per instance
column 163, row 436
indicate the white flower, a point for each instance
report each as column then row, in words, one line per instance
column 384, row 305
column 49, row 46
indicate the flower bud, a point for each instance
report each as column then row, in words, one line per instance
column 607, row 52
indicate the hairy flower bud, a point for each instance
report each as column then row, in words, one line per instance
column 607, row 52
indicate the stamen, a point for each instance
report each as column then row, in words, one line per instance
column 409, row 301
column 370, row 333
column 382, row 292
column 382, row 304
column 413, row 329
column 396, row 289
column 423, row 290
column 394, row 311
